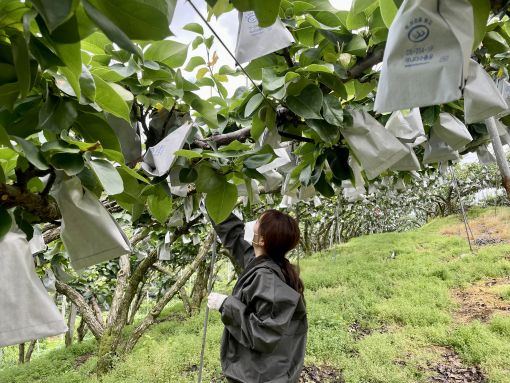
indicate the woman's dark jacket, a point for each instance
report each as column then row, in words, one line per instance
column 265, row 319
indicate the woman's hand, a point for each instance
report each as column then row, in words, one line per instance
column 215, row 300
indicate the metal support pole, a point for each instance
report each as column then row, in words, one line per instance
column 206, row 318
column 499, row 153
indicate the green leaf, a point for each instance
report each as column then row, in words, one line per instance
column 308, row 103
column 270, row 81
column 83, row 146
column 12, row 12
column 362, row 89
column 54, row 12
column 133, row 173
column 4, row 137
column 253, row 104
column 57, row 114
column 21, row 62
column 196, row 42
column 207, row 111
column 218, row 7
column 334, row 83
column 108, row 176
column 271, row 118
column 188, row 153
column 5, row 221
column 3, row 178
column 139, row 19
column 357, row 46
column 194, row 27
column 188, row 175
column 257, row 160
column 32, row 154
column 315, row 68
column 388, row 11
column 194, row 62
column 110, row 100
column 221, row 202
column 208, row 179
column 323, row 187
column 266, row 11
column 71, row 164
column 359, row 6
column 332, row 110
column 338, row 162
column 235, row 146
column 241, row 5
column 168, row 52
column 111, row 30
column 9, row 94
column 87, row 84
column 67, row 82
column 495, row 43
column 93, row 128
column 58, row 146
column 7, row 73
column 481, row 10
column 70, row 54
column 327, row 132
column 66, row 33
column 43, row 54
column 159, row 204
column 257, row 126
column 356, row 20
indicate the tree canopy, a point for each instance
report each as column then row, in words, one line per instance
column 83, row 80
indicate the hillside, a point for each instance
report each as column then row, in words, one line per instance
column 397, row 307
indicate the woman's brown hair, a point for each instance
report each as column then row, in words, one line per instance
column 281, row 234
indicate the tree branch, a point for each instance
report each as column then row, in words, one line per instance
column 86, row 312
column 373, row 58
column 149, row 320
column 286, row 55
column 42, row 206
column 240, row 135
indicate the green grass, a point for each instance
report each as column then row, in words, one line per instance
column 402, row 303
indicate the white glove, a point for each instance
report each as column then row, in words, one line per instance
column 215, row 300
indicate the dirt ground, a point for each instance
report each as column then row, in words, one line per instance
column 449, row 369
column 484, row 230
column 320, row 374
column 482, row 300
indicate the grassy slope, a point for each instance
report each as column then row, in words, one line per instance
column 403, row 303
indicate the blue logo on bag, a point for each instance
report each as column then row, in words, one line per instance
column 418, row 33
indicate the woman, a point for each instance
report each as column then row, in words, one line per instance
column 265, row 317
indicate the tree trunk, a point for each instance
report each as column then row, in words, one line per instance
column 96, row 309
column 30, row 351
column 21, row 353
column 185, row 301
column 149, row 320
column 82, row 330
column 504, row 169
column 200, row 286
column 122, row 279
column 137, row 302
column 112, row 335
column 70, row 324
